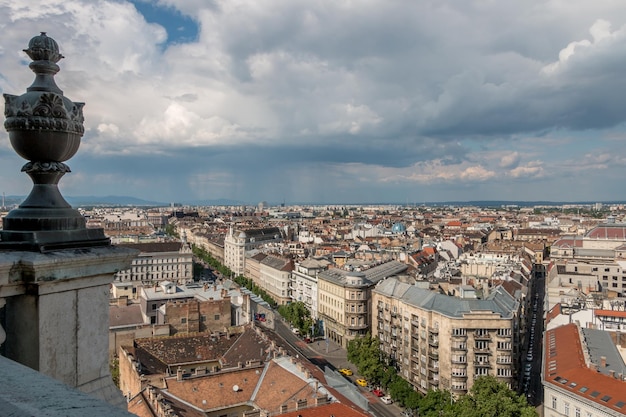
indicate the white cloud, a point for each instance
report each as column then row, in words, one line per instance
column 474, row 92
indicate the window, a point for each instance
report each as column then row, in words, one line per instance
column 217, row 317
column 566, row 409
column 202, row 318
column 554, row 403
column 183, row 320
column 576, row 412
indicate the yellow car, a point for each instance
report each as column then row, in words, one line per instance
column 345, row 371
column 361, row 382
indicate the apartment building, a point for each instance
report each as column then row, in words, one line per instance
column 344, row 299
column 303, row 284
column 583, row 374
column 238, row 242
column 275, row 277
column 194, row 307
column 444, row 342
column 156, row 262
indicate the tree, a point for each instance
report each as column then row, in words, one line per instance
column 365, row 354
column 490, row 398
column 437, row 403
column 298, row 315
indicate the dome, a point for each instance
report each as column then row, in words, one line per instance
column 398, row 228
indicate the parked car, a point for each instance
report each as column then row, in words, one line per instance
column 386, row 399
column 345, row 371
column 361, row 382
column 307, row 340
column 378, row 392
column 295, row 331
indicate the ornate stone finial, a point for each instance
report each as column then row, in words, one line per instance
column 45, row 128
column 43, row 48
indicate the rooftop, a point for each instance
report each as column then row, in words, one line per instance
column 566, row 368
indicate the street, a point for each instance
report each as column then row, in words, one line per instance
column 329, row 354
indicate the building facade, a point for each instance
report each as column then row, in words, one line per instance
column 238, row 242
column 344, row 299
column 159, row 261
column 303, row 286
column 443, row 342
column 583, row 376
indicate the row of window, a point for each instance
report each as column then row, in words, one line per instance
column 183, row 320
column 566, row 408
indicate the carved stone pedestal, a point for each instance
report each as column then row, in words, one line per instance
column 56, row 314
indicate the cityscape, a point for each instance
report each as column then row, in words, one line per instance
column 449, row 294
column 327, row 209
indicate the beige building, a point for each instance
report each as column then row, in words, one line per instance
column 238, row 242
column 275, row 276
column 444, row 342
column 158, row 261
column 344, row 299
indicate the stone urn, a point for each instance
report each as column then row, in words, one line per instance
column 45, row 128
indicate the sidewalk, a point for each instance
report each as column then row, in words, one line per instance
column 332, row 352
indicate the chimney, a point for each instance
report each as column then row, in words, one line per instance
column 603, row 361
column 612, row 373
column 179, row 374
column 122, row 301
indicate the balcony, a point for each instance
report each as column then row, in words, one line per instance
column 459, row 348
column 433, row 342
column 433, row 367
column 459, row 336
column 434, row 330
column 459, row 360
column 459, row 376
column 482, row 364
column 433, row 354
column 356, row 326
column 482, row 336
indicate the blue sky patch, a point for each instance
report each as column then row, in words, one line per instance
column 180, row 28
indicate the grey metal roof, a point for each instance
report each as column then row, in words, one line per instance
column 599, row 343
column 372, row 275
column 499, row 301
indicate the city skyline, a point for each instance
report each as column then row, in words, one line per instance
column 333, row 101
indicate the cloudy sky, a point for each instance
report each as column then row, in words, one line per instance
column 336, row 101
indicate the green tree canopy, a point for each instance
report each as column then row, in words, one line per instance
column 490, row 398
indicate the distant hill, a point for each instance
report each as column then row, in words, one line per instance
column 81, row 201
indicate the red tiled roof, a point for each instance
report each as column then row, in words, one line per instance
column 138, row 405
column 554, row 312
column 565, row 367
column 568, row 242
column 215, row 391
column 610, row 313
column 334, row 409
column 613, row 232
